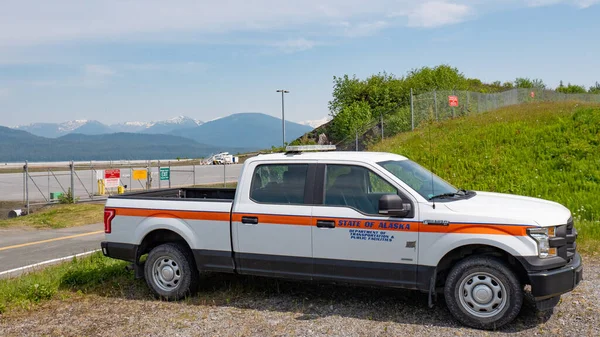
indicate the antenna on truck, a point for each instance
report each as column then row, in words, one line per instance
column 432, row 159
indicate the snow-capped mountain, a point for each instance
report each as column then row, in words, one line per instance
column 131, row 126
column 315, row 123
column 176, row 123
column 54, row 130
column 69, row 126
column 92, row 127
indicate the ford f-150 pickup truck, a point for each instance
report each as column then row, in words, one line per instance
column 352, row 217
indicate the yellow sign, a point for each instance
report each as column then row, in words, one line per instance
column 140, row 174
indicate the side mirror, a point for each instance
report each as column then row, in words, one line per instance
column 392, row 205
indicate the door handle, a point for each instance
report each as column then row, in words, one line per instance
column 250, row 220
column 325, row 223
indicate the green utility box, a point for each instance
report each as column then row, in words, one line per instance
column 55, row 195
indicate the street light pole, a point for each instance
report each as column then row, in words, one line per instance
column 282, row 91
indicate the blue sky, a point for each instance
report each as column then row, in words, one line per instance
column 136, row 60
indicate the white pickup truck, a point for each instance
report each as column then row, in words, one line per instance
column 353, row 217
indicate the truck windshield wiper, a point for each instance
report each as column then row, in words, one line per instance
column 450, row 195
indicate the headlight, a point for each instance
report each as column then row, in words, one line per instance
column 542, row 236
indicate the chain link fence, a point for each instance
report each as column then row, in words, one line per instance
column 38, row 185
column 447, row 104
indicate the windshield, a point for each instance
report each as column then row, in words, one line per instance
column 418, row 178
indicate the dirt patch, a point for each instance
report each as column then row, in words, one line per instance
column 252, row 306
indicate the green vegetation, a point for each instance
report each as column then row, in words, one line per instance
column 59, row 216
column 547, row 150
column 95, row 273
column 387, row 96
column 571, row 89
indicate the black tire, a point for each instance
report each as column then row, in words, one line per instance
column 170, row 272
column 495, row 296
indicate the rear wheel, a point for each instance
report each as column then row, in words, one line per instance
column 170, row 272
column 483, row 292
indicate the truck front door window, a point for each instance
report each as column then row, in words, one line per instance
column 355, row 187
column 279, row 184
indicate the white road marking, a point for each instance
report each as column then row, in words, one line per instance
column 35, row 265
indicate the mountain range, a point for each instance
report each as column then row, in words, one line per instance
column 176, row 137
column 92, row 127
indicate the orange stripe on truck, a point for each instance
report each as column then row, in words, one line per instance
column 276, row 219
column 166, row 213
column 486, row 229
column 369, row 224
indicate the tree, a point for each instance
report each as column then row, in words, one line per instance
column 352, row 118
column 508, row 85
column 595, row 89
column 571, row 89
column 525, row 82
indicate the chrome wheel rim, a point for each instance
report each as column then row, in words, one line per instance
column 166, row 273
column 482, row 295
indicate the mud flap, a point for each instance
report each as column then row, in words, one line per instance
column 432, row 292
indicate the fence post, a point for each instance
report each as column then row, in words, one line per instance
column 24, row 182
column 148, row 176
column 435, row 104
column 412, row 111
column 73, row 181
column 453, row 113
column 224, row 176
column 194, row 173
column 159, row 175
column 382, row 126
column 26, row 167
column 48, row 174
column 467, row 112
column 92, row 178
column 170, row 174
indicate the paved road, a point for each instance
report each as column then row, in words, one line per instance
column 24, row 247
column 42, row 183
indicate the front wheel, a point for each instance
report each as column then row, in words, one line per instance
column 483, row 292
column 170, row 272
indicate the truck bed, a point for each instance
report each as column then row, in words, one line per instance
column 197, row 193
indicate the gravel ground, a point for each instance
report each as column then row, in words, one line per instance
column 247, row 306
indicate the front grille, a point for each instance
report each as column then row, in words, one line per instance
column 564, row 240
column 571, row 238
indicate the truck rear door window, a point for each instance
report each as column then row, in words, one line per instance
column 279, row 183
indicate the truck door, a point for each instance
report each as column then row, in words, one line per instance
column 351, row 240
column 272, row 223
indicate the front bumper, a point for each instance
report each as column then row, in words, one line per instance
column 551, row 283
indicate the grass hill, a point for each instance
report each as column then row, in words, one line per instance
column 547, row 150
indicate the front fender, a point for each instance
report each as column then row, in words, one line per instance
column 433, row 247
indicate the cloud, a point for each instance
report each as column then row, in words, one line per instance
column 167, row 67
column 295, row 45
column 360, row 29
column 97, row 70
column 58, row 21
column 89, row 75
column 34, row 23
column 4, row 92
column 578, row 3
column 438, row 13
